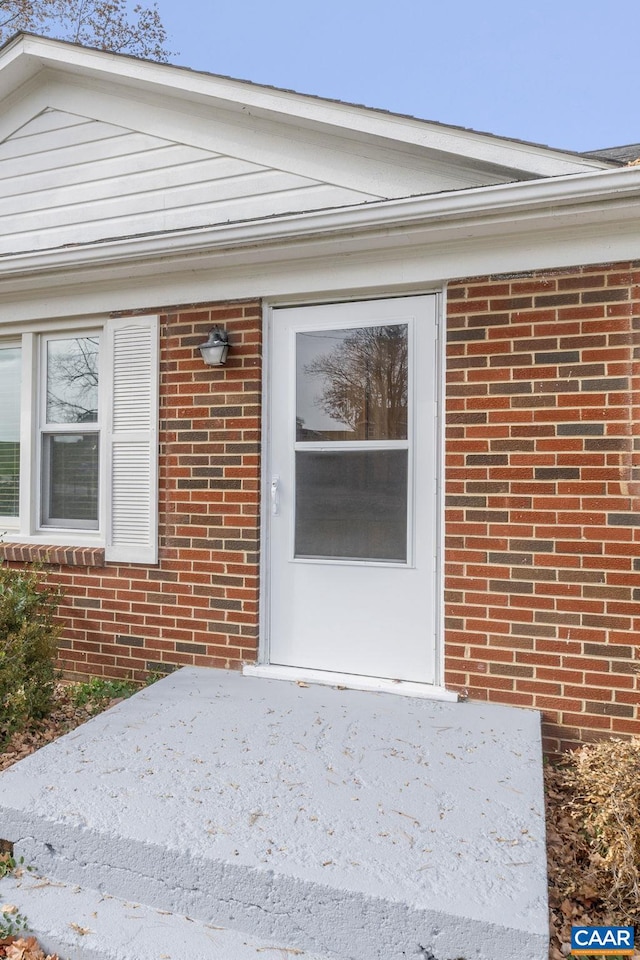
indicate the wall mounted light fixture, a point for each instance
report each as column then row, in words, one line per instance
column 214, row 350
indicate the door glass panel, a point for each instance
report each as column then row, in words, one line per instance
column 351, row 505
column 352, row 384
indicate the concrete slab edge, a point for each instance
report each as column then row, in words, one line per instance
column 82, row 924
column 311, row 917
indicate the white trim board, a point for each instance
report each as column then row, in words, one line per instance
column 608, row 197
column 349, row 681
column 327, row 271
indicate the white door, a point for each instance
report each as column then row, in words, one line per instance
column 353, row 518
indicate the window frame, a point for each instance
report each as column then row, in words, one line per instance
column 13, row 343
column 27, row 528
column 49, row 429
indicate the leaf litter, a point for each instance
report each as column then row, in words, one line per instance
column 593, row 840
column 23, row 948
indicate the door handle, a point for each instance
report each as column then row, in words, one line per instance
column 275, row 496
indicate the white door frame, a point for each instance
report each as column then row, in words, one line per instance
column 263, row 666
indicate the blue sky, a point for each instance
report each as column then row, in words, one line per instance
column 561, row 72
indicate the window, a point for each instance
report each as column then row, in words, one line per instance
column 70, row 432
column 10, row 368
column 78, row 437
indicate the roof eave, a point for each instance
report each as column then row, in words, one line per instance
column 512, row 208
column 25, row 55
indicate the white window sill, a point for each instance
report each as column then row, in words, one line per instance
column 54, row 537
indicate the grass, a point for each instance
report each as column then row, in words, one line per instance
column 98, row 692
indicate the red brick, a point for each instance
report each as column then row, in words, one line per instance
column 582, row 585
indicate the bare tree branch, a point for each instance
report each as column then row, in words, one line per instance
column 106, row 24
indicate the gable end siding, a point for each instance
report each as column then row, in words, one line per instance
column 67, row 179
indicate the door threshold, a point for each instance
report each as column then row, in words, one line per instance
column 350, row 681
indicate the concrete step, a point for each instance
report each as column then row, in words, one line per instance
column 359, row 825
column 82, row 924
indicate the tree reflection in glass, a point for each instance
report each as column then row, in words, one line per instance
column 351, row 502
column 352, row 384
column 72, row 380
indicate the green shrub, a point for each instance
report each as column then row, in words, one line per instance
column 28, row 644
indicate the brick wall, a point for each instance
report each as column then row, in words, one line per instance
column 543, row 496
column 199, row 605
column 542, row 517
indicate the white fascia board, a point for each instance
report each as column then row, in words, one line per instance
column 299, row 109
column 317, row 271
column 16, row 69
column 512, row 208
column 330, row 265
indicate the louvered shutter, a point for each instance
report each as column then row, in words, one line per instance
column 132, row 440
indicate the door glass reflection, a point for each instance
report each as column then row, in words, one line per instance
column 352, row 384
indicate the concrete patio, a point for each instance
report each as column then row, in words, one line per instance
column 299, row 821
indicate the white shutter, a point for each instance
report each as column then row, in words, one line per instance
column 132, row 440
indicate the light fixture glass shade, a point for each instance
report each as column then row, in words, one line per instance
column 215, row 349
